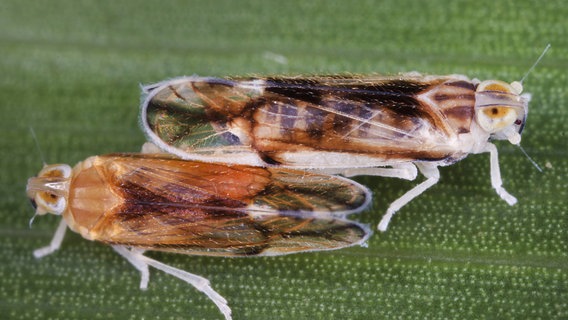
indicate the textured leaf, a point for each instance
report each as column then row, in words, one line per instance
column 71, row 70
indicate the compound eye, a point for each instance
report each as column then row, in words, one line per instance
column 496, row 118
column 501, row 113
column 49, row 202
column 499, row 86
column 55, row 171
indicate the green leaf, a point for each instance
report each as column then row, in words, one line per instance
column 72, row 69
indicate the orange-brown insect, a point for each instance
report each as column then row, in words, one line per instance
column 385, row 126
column 139, row 202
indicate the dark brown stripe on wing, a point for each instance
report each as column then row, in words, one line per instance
column 455, row 100
column 460, row 117
column 311, row 90
column 461, row 84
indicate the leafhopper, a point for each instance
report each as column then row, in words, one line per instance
column 350, row 125
column 141, row 202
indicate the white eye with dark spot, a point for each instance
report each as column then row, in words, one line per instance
column 50, row 202
column 496, row 118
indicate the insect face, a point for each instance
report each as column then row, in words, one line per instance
column 48, row 191
column 501, row 110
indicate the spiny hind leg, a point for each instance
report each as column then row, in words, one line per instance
column 405, row 171
column 149, row 147
column 432, row 175
column 141, row 262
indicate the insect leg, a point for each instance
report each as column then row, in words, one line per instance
column 432, row 175
column 496, row 181
column 405, row 171
column 149, row 147
column 132, row 257
column 55, row 243
column 141, row 262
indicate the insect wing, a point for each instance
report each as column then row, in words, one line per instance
column 179, row 116
column 384, row 117
column 213, row 209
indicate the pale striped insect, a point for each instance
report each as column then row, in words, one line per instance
column 140, row 202
column 350, row 125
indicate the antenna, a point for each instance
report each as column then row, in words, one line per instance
column 523, row 79
column 530, row 159
column 32, row 131
column 32, row 220
column 536, row 62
